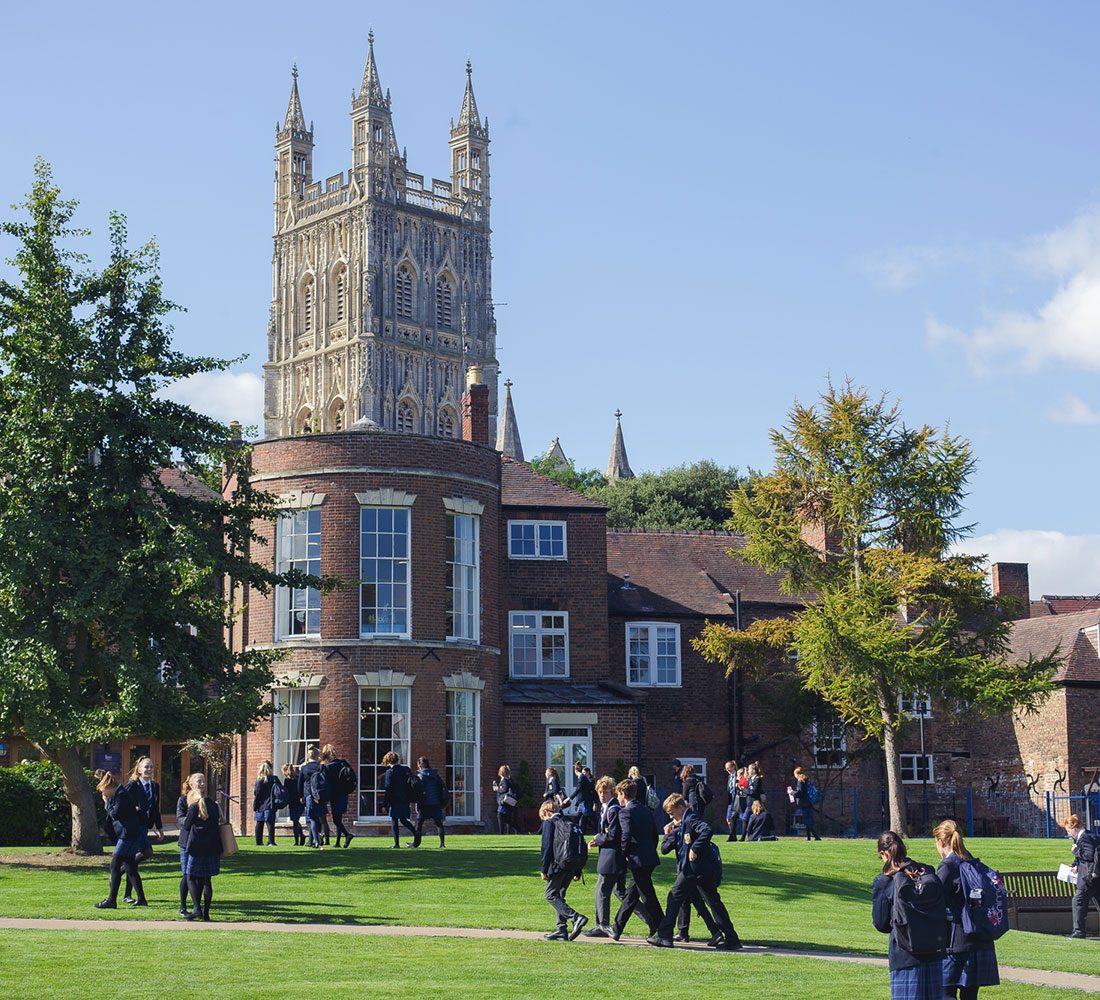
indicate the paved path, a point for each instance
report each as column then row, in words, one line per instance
column 1034, row 977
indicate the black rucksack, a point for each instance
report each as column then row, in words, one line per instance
column 919, row 916
column 570, row 847
column 416, row 789
column 319, row 786
column 279, row 797
column 985, row 901
column 346, row 779
column 702, row 789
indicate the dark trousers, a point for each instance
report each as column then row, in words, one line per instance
column 202, row 891
column 341, row 830
column 433, row 813
column 270, row 824
column 506, row 819
column 640, row 895
column 1081, row 898
column 397, row 822
column 313, row 822
column 683, row 918
column 556, row 885
column 130, row 867
column 808, row 821
column 605, row 886
column 681, row 892
column 299, row 833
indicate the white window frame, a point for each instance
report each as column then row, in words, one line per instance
column 540, row 630
column 653, row 682
column 283, row 700
column 284, row 595
column 699, row 763
column 839, row 747
column 568, row 778
column 407, row 633
column 404, row 749
column 538, row 539
column 909, row 761
column 909, row 703
column 473, row 795
column 474, row 614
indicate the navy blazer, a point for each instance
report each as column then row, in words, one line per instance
column 293, row 794
column 150, row 812
column 760, row 826
column 203, row 838
column 638, row 836
column 395, row 787
column 261, row 795
column 755, row 789
column 126, row 820
column 181, row 812
column 1084, row 851
column 548, row 866
column 693, row 834
column 434, row 792
column 584, row 794
column 305, row 780
column 553, row 788
column 882, row 913
column 609, row 841
column 642, row 792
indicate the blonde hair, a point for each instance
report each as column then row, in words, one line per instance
column 505, row 771
column 288, row 770
column 548, row 808
column 328, row 752
column 135, row 771
column 634, row 773
column 390, row 759
column 948, row 833
column 311, row 752
column 605, row 782
column 1074, row 822
column 195, row 797
column 799, row 774
column 675, row 803
column 265, row 769
column 687, row 771
column 757, row 807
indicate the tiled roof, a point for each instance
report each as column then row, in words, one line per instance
column 521, row 486
column 1040, row 636
column 549, row 693
column 683, row 573
column 1061, row 604
column 1039, row 609
column 186, row 484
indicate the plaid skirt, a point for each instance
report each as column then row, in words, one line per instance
column 204, row 867
column 184, row 859
column 920, row 982
column 977, row 967
column 131, row 847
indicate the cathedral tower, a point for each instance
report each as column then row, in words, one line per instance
column 381, row 283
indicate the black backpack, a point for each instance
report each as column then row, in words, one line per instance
column 919, row 916
column 346, row 779
column 279, row 797
column 706, row 796
column 319, row 786
column 570, row 847
column 416, row 789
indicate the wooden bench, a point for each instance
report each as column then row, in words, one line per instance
column 1040, row 901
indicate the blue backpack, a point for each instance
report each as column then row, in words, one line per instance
column 985, row 902
column 813, row 793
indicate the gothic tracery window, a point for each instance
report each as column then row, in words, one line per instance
column 446, row 423
column 406, row 417
column 341, row 295
column 404, row 291
column 444, row 299
column 307, row 305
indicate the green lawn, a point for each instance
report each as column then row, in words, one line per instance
column 240, row 966
column 786, row 893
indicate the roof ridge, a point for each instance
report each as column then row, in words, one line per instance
column 715, row 532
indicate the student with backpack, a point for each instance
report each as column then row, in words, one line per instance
column 341, row 780
column 564, row 854
column 433, row 800
column 695, row 791
column 1086, row 857
column 309, row 793
column 638, row 846
column 397, row 795
column 583, row 797
column 805, row 797
column 908, row 904
column 295, row 807
column 977, row 912
column 263, row 805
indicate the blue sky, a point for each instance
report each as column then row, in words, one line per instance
column 699, row 213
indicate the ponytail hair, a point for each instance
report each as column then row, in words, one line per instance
column 891, row 843
column 107, row 783
column 948, row 833
column 195, row 797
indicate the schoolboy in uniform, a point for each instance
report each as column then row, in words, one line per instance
column 698, row 866
column 610, row 867
column 433, row 800
column 638, row 847
column 557, row 881
column 1086, row 846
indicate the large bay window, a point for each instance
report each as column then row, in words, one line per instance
column 296, row 724
column 298, row 547
column 539, row 643
column 463, row 570
column 383, row 726
column 462, row 752
column 652, row 654
column 384, row 571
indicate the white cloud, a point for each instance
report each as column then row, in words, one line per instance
column 224, row 396
column 1073, row 410
column 1058, row 563
column 897, row 270
column 1065, row 328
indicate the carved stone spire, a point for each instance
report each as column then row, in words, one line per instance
column 468, row 119
column 556, row 454
column 370, row 89
column 508, row 442
column 618, row 466
column 295, row 120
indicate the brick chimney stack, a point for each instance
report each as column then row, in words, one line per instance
column 475, row 408
column 1011, row 580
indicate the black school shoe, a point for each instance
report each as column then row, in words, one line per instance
column 578, row 925
column 659, row 942
column 348, row 839
column 1075, row 936
column 716, row 940
column 138, row 902
column 558, row 935
column 727, row 945
column 106, row 904
column 682, row 936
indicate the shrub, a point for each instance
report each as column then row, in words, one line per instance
column 21, row 815
column 42, row 812
column 526, row 797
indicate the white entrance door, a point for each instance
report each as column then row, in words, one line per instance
column 566, row 746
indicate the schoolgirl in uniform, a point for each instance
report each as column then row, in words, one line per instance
column 911, row 978
column 294, row 804
column 315, row 810
column 144, row 792
column 263, row 806
column 507, row 793
column 338, row 801
column 132, row 843
column 971, row 961
column 804, row 802
column 197, row 782
column 204, row 850
column 396, row 795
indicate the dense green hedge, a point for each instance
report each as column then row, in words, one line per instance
column 33, row 807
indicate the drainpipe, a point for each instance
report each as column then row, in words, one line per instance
column 739, row 725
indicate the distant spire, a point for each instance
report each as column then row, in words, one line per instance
column 371, row 88
column 295, row 120
column 508, row 442
column 618, row 466
column 468, row 117
column 556, row 454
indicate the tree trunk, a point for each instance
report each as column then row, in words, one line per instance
column 86, row 834
column 895, row 790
